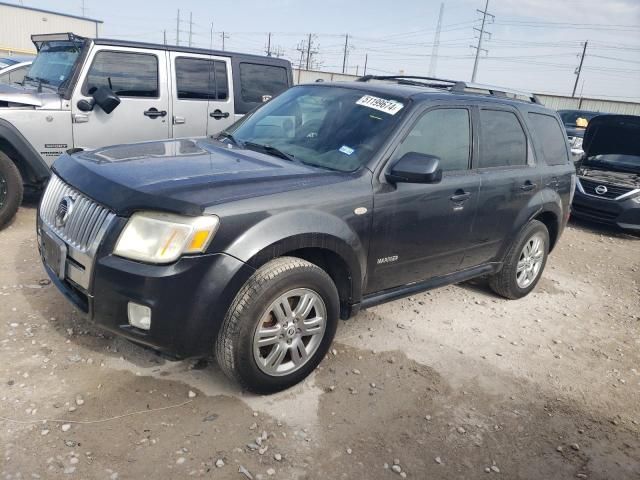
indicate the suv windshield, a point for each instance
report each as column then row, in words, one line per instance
column 577, row 118
column 54, row 63
column 325, row 126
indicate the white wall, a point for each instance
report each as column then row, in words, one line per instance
column 18, row 24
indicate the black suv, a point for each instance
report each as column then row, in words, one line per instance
column 330, row 198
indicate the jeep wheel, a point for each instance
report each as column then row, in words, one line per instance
column 11, row 189
column 524, row 263
column 279, row 326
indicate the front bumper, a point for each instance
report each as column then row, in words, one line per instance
column 188, row 299
column 623, row 213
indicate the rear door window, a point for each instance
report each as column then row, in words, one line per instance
column 201, row 79
column 503, row 142
column 127, row 74
column 551, row 138
column 258, row 83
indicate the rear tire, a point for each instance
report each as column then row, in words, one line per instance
column 279, row 326
column 524, row 264
column 11, row 189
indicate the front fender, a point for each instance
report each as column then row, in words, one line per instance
column 22, row 153
column 296, row 229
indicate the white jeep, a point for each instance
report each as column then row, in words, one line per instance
column 87, row 93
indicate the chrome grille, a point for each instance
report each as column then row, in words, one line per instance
column 85, row 222
column 609, row 191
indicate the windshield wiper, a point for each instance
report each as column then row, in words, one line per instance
column 230, row 136
column 271, row 150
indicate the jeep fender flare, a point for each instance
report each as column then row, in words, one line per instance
column 24, row 155
column 286, row 232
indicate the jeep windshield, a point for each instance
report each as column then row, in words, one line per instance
column 54, row 64
column 325, row 126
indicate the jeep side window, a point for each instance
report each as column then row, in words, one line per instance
column 127, row 74
column 257, row 82
column 552, row 138
column 201, row 79
column 444, row 133
column 503, row 142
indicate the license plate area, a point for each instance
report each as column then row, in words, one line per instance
column 54, row 253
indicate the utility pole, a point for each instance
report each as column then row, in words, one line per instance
column 211, row 37
column 164, row 35
column 224, row 36
column 84, row 9
column 436, row 44
column 346, row 49
column 178, row 29
column 308, row 52
column 485, row 13
column 579, row 69
column 269, row 45
column 366, row 57
column 190, row 27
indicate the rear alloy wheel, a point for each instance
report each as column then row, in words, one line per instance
column 11, row 189
column 524, row 263
column 279, row 326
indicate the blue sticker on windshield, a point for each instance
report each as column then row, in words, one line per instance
column 346, row 150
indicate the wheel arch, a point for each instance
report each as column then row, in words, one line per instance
column 550, row 220
column 29, row 162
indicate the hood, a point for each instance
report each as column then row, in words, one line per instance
column 182, row 176
column 612, row 135
column 29, row 96
column 631, row 180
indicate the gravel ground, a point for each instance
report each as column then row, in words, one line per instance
column 455, row 383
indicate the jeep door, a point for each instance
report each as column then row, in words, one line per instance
column 510, row 181
column 139, row 78
column 421, row 231
column 200, row 91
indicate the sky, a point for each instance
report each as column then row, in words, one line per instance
column 535, row 45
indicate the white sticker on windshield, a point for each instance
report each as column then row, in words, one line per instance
column 387, row 106
column 346, row 150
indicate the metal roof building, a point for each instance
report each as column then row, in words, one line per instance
column 18, row 23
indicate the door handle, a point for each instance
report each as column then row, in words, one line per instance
column 155, row 113
column 218, row 114
column 177, row 120
column 80, row 118
column 460, row 196
column 527, row 186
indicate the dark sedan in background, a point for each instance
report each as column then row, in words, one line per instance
column 608, row 186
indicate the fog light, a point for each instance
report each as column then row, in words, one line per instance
column 139, row 316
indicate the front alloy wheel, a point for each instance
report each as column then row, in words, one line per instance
column 290, row 332
column 279, row 326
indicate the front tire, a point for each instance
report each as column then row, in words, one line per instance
column 524, row 263
column 11, row 189
column 279, row 326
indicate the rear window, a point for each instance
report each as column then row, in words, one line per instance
column 503, row 143
column 258, row 83
column 201, row 79
column 551, row 138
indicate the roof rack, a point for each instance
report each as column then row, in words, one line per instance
column 456, row 86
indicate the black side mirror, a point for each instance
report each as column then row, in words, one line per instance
column 105, row 99
column 415, row 167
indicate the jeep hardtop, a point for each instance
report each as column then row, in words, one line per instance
column 88, row 93
column 330, row 198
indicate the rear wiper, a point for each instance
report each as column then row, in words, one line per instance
column 271, row 150
column 230, row 137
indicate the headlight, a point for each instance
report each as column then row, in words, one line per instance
column 163, row 237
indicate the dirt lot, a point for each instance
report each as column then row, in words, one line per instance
column 453, row 383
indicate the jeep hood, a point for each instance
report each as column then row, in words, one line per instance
column 182, row 176
column 612, row 135
column 24, row 96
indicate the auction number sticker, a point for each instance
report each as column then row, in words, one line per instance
column 382, row 105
